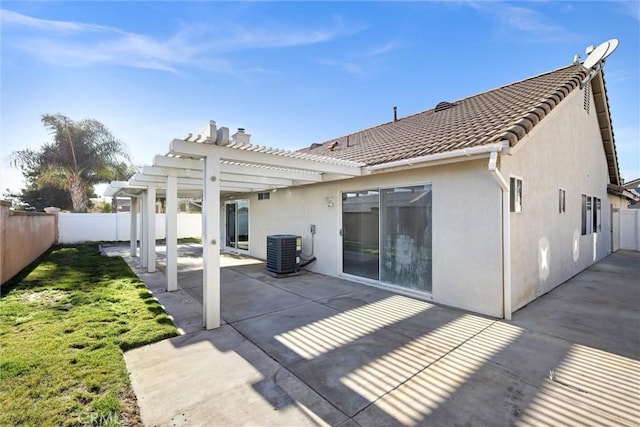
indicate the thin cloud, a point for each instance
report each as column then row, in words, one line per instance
column 519, row 21
column 349, row 67
column 381, row 50
column 8, row 17
column 629, row 8
column 81, row 44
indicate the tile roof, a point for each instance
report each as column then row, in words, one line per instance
column 505, row 113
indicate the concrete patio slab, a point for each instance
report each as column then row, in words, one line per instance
column 599, row 308
column 243, row 299
column 269, row 331
column 191, row 380
column 299, row 351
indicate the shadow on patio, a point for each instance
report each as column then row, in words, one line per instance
column 318, row 350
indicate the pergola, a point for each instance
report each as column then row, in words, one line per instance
column 209, row 165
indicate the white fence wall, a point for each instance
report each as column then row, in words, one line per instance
column 630, row 229
column 78, row 227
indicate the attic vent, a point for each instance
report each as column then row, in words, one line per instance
column 587, row 97
column 444, row 105
column 315, row 145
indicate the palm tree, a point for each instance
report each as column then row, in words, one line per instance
column 82, row 153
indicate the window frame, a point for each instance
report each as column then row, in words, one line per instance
column 515, row 194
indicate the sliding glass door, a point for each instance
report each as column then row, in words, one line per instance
column 360, row 236
column 386, row 235
column 405, row 230
column 237, row 225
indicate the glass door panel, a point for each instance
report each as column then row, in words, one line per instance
column 243, row 225
column 231, row 224
column 237, row 225
column 406, row 237
column 360, row 233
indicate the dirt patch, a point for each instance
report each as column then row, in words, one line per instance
column 131, row 412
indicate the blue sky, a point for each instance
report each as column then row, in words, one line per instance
column 291, row 73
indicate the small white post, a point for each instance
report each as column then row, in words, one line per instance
column 133, row 232
column 211, row 241
column 151, row 229
column 171, row 233
column 144, row 223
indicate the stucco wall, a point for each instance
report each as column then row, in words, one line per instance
column 466, row 245
column 563, row 151
column 25, row 236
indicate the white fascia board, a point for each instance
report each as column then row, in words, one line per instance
column 194, row 149
column 453, row 156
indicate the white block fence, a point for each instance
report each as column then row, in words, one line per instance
column 630, row 229
column 82, row 227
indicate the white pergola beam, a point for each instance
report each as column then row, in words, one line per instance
column 144, row 223
column 150, row 172
column 133, row 233
column 211, row 242
column 190, row 149
column 270, row 172
column 151, row 229
column 160, row 181
column 244, row 169
column 171, row 233
column 175, row 162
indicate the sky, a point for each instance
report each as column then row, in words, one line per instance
column 290, row 73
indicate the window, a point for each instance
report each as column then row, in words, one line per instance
column 515, row 191
column 586, row 214
column 264, row 196
column 597, row 213
column 561, row 200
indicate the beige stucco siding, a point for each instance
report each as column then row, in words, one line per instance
column 563, row 151
column 466, row 224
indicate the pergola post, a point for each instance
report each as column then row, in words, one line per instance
column 144, row 223
column 171, row 233
column 211, row 241
column 151, row 229
column 133, row 231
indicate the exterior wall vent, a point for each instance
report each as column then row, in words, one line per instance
column 283, row 253
column 587, row 97
column 444, row 105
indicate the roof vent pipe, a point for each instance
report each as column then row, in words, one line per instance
column 395, row 114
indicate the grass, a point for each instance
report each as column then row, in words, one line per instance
column 63, row 329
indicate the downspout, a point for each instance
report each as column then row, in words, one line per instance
column 506, row 238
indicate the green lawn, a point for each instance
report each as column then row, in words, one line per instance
column 63, row 330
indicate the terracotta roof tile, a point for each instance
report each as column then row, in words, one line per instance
column 505, row 113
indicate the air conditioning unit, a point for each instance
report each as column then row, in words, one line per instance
column 283, row 253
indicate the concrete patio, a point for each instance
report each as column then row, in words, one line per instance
column 318, row 350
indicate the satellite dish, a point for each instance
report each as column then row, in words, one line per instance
column 600, row 53
column 596, row 58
